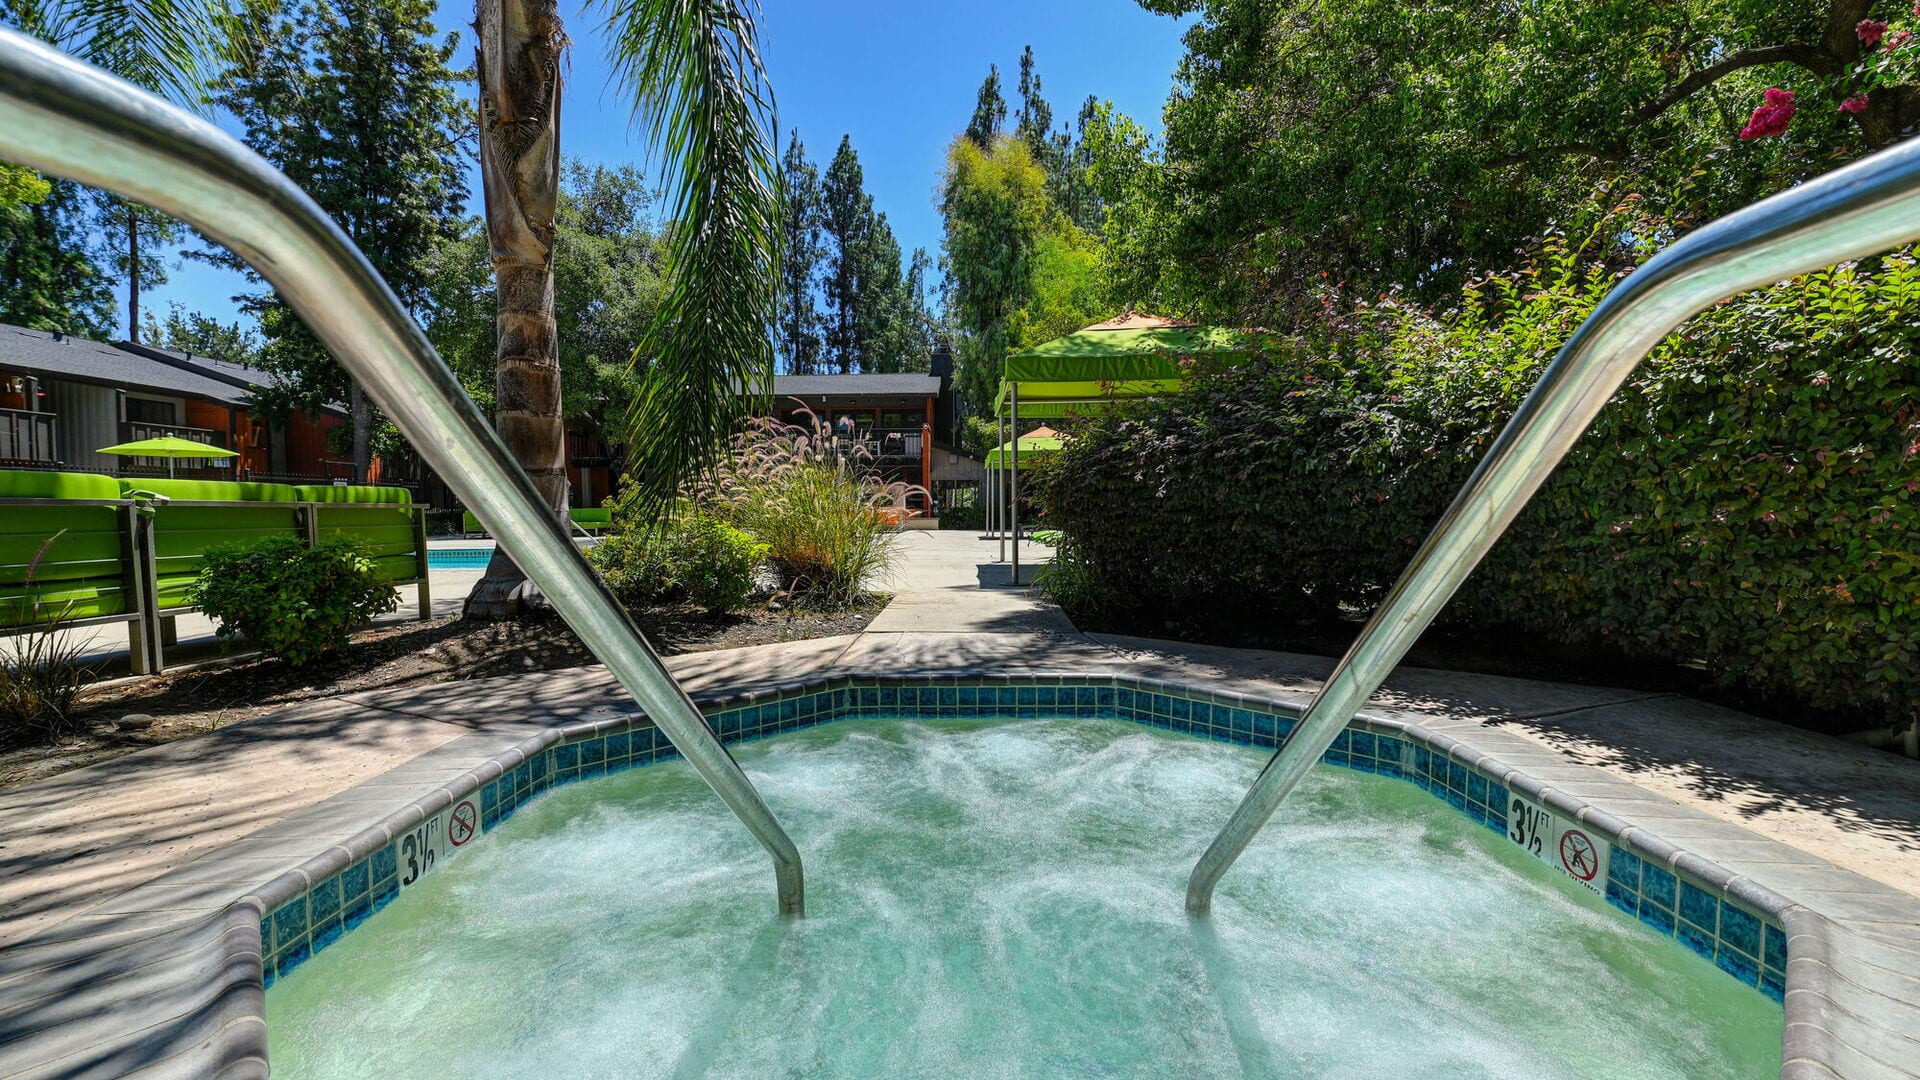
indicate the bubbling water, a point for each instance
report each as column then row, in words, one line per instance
column 1005, row 900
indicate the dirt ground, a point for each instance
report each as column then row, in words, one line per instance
column 386, row 657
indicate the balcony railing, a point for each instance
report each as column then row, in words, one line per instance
column 27, row 438
column 883, row 446
column 136, row 430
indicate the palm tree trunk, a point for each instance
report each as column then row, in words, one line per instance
column 521, row 42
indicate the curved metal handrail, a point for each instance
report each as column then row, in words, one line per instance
column 1864, row 208
column 71, row 120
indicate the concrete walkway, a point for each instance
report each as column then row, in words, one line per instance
column 119, row 852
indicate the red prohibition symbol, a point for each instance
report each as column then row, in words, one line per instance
column 460, row 826
column 1577, row 854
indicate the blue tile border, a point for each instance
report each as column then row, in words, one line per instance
column 1748, row 945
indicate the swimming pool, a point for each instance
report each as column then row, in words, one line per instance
column 449, row 558
column 999, row 897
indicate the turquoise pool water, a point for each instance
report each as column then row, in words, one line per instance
column 473, row 558
column 1003, row 899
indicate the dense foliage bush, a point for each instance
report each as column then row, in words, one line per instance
column 966, row 517
column 1745, row 502
column 297, row 602
column 693, row 558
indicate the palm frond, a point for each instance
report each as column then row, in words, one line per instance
column 700, row 92
column 171, row 47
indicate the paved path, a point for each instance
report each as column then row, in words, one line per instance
column 118, row 851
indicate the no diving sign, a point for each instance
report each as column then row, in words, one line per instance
column 462, row 823
column 1559, row 843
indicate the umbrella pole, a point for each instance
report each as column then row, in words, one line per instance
column 1013, row 484
column 999, row 497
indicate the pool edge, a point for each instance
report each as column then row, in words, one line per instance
column 225, row 1035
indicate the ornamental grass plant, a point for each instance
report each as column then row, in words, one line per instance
column 815, row 502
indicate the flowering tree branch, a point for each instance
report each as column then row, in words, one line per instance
column 1852, row 57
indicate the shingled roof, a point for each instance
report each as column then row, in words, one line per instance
column 62, row 356
column 899, row 385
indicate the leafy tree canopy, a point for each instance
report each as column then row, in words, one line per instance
column 1408, row 144
column 49, row 279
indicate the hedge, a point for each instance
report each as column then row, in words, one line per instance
column 1745, row 503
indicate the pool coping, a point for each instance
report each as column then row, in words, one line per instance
column 186, row 996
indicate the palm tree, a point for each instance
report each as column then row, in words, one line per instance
column 693, row 70
column 169, row 47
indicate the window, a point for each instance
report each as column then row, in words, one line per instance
column 147, row 411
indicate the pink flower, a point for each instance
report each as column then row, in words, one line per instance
column 1897, row 39
column 1869, row 31
column 1771, row 118
column 1854, row 104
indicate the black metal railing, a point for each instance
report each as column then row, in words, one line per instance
column 27, row 438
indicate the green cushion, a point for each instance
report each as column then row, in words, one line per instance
column 397, row 567
column 213, row 490
column 22, row 484
column 336, row 516
column 90, row 598
column 353, row 493
column 172, row 589
column 469, row 523
column 591, row 515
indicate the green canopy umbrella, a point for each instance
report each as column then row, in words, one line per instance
column 1038, row 441
column 1078, row 373
column 1131, row 356
column 170, row 447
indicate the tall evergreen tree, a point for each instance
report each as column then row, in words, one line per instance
column 1036, row 116
column 799, row 325
column 1070, row 182
column 201, row 334
column 135, row 235
column 355, row 102
column 989, row 111
column 846, row 215
column 49, row 277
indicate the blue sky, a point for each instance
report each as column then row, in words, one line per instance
column 899, row 77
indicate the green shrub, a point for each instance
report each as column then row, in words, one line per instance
column 1745, row 502
column 695, row 558
column 967, row 517
column 295, row 601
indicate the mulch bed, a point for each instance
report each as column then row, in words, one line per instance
column 390, row 656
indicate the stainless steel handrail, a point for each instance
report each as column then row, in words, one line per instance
column 1864, row 208
column 71, row 120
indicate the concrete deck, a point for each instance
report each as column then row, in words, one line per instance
column 117, row 946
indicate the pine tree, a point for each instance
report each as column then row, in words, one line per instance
column 989, row 111
column 799, row 323
column 49, row 277
column 135, row 235
column 355, row 102
column 846, row 215
column 1036, row 116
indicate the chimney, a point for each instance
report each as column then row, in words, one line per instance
column 941, row 364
